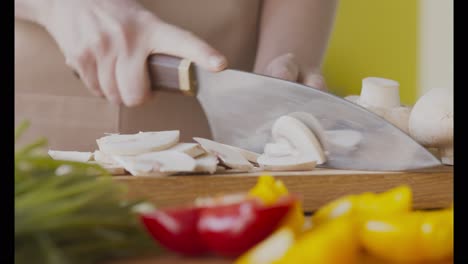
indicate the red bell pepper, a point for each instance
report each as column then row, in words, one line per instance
column 223, row 229
column 233, row 229
column 176, row 229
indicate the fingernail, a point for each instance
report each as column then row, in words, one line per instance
column 133, row 101
column 217, row 62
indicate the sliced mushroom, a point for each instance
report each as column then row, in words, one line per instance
column 279, row 149
column 134, row 144
column 295, row 147
column 229, row 156
column 299, row 136
column 206, row 163
column 192, row 149
column 220, row 168
column 343, row 141
column 113, row 169
column 70, row 155
column 157, row 163
column 313, row 124
column 287, row 163
column 431, row 122
column 335, row 141
column 103, row 158
column 249, row 155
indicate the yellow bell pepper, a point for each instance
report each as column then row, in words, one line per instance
column 359, row 207
column 416, row 236
column 334, row 242
column 270, row 249
column 269, row 191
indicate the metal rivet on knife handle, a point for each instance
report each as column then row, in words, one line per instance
column 186, row 77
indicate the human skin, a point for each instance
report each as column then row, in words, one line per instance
column 109, row 43
column 293, row 39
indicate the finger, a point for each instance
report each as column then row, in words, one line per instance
column 315, row 80
column 133, row 79
column 283, row 67
column 89, row 77
column 107, row 79
column 172, row 40
column 84, row 68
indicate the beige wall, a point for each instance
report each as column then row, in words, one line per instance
column 436, row 45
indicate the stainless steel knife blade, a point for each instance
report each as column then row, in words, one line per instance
column 241, row 108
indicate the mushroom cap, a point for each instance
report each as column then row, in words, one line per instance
column 431, row 119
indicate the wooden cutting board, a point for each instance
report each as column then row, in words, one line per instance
column 432, row 188
column 171, row 259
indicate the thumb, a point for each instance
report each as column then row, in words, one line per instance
column 171, row 40
column 283, row 67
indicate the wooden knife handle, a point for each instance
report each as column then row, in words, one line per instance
column 172, row 74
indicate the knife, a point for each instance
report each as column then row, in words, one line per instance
column 241, row 107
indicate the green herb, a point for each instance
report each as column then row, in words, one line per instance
column 71, row 212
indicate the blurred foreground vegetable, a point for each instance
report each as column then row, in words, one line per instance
column 358, row 207
column 225, row 226
column 70, row 212
column 416, row 236
column 269, row 191
column 380, row 223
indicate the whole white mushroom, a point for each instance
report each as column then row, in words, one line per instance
column 382, row 97
column 431, row 122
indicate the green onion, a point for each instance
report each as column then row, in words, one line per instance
column 78, row 216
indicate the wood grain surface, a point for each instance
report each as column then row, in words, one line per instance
column 432, row 188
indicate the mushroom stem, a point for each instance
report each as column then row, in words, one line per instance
column 380, row 92
column 446, row 154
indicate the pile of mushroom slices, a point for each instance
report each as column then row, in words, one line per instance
column 295, row 147
column 429, row 121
